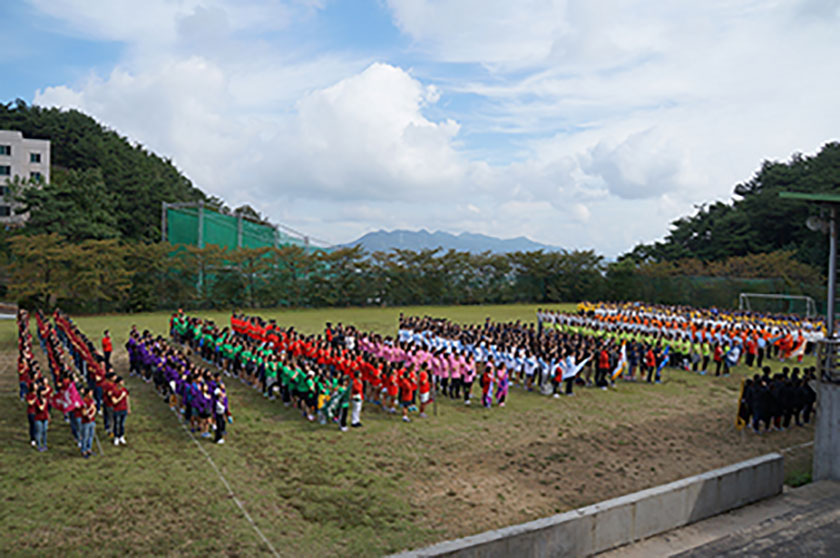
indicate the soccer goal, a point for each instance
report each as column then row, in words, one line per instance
column 778, row 304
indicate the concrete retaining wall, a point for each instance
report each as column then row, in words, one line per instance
column 612, row 523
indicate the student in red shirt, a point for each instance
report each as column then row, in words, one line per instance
column 31, row 410
column 42, row 417
column 107, row 348
column 119, row 397
column 356, row 399
column 88, row 411
column 23, row 377
column 76, row 425
column 108, row 402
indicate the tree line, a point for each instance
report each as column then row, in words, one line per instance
column 97, row 275
column 757, row 220
column 91, row 243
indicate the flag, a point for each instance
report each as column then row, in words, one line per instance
column 570, row 370
column 67, row 399
column 732, row 355
column 666, row 357
column 799, row 351
column 622, row 362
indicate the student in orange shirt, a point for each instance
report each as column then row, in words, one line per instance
column 107, row 348
column 394, row 378
column 424, row 387
column 407, row 388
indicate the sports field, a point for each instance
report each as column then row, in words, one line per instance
column 314, row 491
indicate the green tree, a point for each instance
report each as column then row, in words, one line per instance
column 41, row 269
column 100, row 275
column 75, row 205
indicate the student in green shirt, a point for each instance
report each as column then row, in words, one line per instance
column 271, row 368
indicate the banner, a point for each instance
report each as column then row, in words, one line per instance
column 67, row 399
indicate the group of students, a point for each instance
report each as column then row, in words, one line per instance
column 306, row 372
column 41, row 398
column 110, row 394
column 772, row 401
column 327, row 377
column 698, row 335
column 197, row 393
column 552, row 361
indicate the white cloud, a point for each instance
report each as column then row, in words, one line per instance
column 366, row 136
column 607, row 119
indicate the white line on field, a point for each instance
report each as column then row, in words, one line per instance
column 227, row 486
column 796, row 447
column 96, row 437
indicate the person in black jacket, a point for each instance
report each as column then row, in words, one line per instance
column 760, row 403
column 745, row 405
column 788, row 400
column 809, row 397
column 775, row 389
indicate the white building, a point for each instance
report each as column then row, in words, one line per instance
column 25, row 158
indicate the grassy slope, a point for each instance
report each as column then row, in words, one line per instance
column 315, row 491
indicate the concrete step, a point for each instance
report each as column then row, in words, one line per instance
column 801, row 522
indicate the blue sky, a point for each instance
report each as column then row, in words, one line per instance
column 583, row 124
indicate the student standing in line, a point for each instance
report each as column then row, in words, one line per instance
column 42, row 418
column 502, row 385
column 76, row 416
column 487, row 385
column 120, row 402
column 344, row 402
column 718, row 358
column 357, row 396
column 468, row 378
column 108, row 402
column 88, row 409
column 31, row 411
column 424, row 388
column 221, row 411
column 406, row 393
column 107, row 348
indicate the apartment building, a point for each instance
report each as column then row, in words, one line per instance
column 24, row 158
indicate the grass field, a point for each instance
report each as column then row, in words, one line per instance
column 389, row 486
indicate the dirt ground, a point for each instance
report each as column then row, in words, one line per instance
column 531, row 474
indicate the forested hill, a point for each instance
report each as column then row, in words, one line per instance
column 757, row 220
column 135, row 180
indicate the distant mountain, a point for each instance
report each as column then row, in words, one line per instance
column 464, row 242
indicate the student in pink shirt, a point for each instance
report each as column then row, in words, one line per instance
column 443, row 370
column 468, row 378
column 502, row 380
column 454, row 376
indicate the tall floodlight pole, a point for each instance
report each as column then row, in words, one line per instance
column 827, row 431
column 832, row 270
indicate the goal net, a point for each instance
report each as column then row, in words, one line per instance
column 778, row 304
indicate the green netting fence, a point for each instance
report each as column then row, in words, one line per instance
column 227, row 231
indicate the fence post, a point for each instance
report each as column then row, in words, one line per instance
column 239, row 231
column 163, row 206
